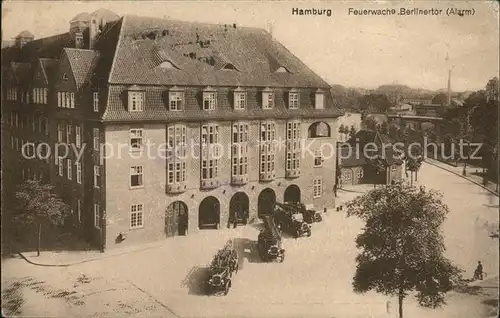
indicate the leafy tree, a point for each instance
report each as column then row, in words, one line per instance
column 384, row 128
column 378, row 103
column 492, row 89
column 440, row 98
column 369, row 123
column 379, row 165
column 342, row 130
column 38, row 204
column 413, row 164
column 402, row 249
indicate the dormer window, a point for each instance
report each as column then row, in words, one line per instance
column 65, row 77
column 135, row 99
column 267, row 99
column 209, row 99
column 175, row 99
column 293, row 99
column 319, row 99
column 281, row 69
column 240, row 99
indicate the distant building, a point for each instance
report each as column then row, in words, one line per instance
column 429, row 110
column 417, row 101
column 356, row 168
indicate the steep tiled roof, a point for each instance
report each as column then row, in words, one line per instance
column 82, row 64
column 196, row 48
column 382, row 145
column 22, row 71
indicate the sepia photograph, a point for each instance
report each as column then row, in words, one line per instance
column 254, row 159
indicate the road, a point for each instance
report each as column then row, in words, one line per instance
column 313, row 281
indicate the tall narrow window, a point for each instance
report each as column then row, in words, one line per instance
column 79, row 210
column 136, row 139
column 240, row 149
column 69, row 129
column 72, row 100
column 96, row 138
column 69, row 169
column 97, row 216
column 318, row 158
column 267, row 99
column 136, row 177
column 293, row 99
column 176, row 161
column 240, row 99
column 95, row 98
column 176, row 99
column 59, row 133
column 59, row 99
column 319, row 100
column 267, row 146
column 45, row 95
column 136, row 101
column 97, row 176
column 78, row 172
column 293, row 148
column 209, row 100
column 78, row 136
column 317, row 187
column 136, row 216
column 61, row 167
column 209, row 152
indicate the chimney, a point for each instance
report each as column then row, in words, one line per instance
column 79, row 43
column 93, row 32
column 449, row 88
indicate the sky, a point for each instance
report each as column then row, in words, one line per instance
column 345, row 49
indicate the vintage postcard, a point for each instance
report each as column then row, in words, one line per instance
column 250, row 159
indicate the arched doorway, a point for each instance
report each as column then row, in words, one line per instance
column 176, row 219
column 209, row 213
column 292, row 194
column 238, row 209
column 266, row 201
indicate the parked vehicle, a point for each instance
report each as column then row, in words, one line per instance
column 224, row 264
column 269, row 242
column 289, row 219
column 310, row 216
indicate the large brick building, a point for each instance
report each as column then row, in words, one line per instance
column 182, row 126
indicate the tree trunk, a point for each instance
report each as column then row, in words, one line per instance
column 411, row 178
column 416, row 175
column 400, row 306
column 39, row 239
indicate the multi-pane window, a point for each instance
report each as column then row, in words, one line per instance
column 267, row 146
column 293, row 145
column 209, row 169
column 209, row 151
column 45, row 93
column 72, row 100
column 267, row 99
column 136, row 139
column 39, row 96
column 240, row 149
column 319, row 100
column 95, row 100
column 97, row 215
column 61, row 167
column 240, row 99
column 293, row 100
column 78, row 136
column 12, row 93
column 69, row 169
column 176, row 160
column 69, row 131
column 136, row 101
column 318, row 158
column 97, row 176
column 59, row 99
column 136, row 216
column 175, row 100
column 209, row 100
column 136, row 177
column 78, row 172
column 96, row 138
column 317, row 187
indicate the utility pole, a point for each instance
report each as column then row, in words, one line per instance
column 448, row 101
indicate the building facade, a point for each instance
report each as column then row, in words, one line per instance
column 170, row 127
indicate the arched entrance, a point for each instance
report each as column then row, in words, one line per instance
column 292, row 194
column 266, row 201
column 176, row 219
column 238, row 208
column 209, row 213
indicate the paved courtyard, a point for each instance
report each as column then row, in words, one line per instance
column 313, row 281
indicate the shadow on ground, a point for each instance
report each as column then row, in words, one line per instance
column 247, row 249
column 195, row 280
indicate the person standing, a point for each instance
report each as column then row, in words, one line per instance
column 478, row 273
